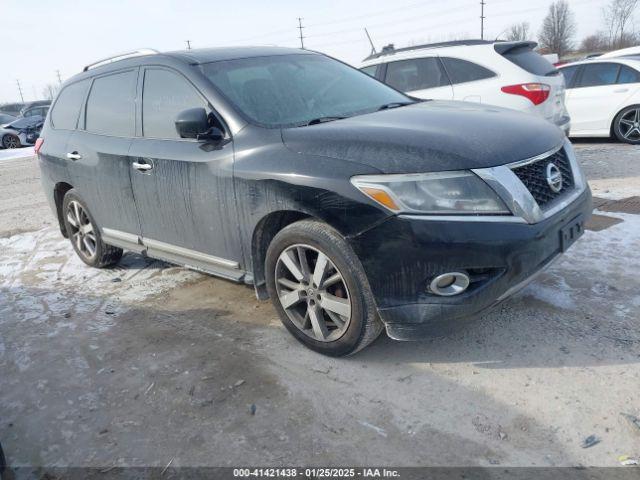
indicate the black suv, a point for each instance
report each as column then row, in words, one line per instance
column 354, row 207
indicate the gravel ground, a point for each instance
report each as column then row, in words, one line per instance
column 147, row 363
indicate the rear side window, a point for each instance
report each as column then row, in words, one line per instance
column 597, row 74
column 36, row 111
column 370, row 70
column 415, row 74
column 67, row 107
column 628, row 75
column 165, row 95
column 110, row 106
column 569, row 74
column 528, row 60
column 461, row 71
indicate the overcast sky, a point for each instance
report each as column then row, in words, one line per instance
column 41, row 37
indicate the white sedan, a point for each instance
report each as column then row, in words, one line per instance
column 603, row 97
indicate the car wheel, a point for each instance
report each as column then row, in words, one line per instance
column 85, row 234
column 320, row 290
column 626, row 126
column 11, row 141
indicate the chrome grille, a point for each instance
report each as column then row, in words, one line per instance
column 534, row 176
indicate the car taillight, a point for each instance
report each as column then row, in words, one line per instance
column 38, row 145
column 536, row 92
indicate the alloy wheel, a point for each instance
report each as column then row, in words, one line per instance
column 629, row 125
column 313, row 293
column 82, row 231
column 11, row 141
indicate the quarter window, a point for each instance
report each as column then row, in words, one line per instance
column 415, row 74
column 67, row 107
column 165, row 95
column 111, row 106
column 370, row 70
column 569, row 75
column 628, row 75
column 597, row 74
column 461, row 71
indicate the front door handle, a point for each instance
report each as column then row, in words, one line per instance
column 621, row 90
column 74, row 156
column 142, row 167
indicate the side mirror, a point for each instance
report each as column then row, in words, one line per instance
column 194, row 123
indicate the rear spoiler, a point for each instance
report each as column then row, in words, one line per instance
column 505, row 47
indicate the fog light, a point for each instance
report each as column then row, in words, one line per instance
column 449, row 284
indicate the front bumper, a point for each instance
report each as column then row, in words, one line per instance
column 401, row 256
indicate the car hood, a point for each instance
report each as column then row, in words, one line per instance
column 429, row 136
column 26, row 122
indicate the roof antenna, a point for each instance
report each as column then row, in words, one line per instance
column 373, row 47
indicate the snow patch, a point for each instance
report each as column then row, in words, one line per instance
column 43, row 280
column 558, row 295
column 15, row 153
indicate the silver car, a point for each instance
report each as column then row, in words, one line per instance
column 21, row 132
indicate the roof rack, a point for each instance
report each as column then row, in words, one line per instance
column 122, row 56
column 389, row 49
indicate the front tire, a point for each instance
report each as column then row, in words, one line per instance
column 11, row 141
column 84, row 233
column 319, row 289
column 626, row 126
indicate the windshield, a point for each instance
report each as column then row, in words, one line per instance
column 293, row 90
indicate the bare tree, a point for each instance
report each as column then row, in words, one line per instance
column 50, row 91
column 518, row 32
column 597, row 42
column 558, row 29
column 618, row 16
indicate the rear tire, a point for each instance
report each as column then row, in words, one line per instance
column 319, row 289
column 84, row 233
column 11, row 141
column 626, row 126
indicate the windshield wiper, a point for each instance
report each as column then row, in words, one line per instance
column 387, row 106
column 318, row 120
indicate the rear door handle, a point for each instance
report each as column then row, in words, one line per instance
column 621, row 90
column 74, row 156
column 142, row 167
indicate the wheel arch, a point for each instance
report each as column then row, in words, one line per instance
column 59, row 191
column 612, row 132
column 264, row 231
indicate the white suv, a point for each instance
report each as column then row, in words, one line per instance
column 507, row 74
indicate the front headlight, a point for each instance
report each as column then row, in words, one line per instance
column 456, row 192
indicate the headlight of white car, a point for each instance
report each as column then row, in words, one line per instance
column 453, row 193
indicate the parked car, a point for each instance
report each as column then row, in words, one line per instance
column 623, row 52
column 506, row 74
column 6, row 118
column 603, row 98
column 352, row 206
column 21, row 132
column 12, row 108
column 38, row 108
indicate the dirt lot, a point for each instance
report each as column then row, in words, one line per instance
column 148, row 363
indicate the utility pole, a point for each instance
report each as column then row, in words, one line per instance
column 373, row 48
column 300, row 27
column 59, row 77
column 20, row 90
column 482, row 17
column 188, row 44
